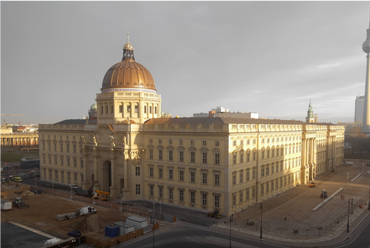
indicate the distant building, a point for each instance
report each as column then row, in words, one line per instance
column 224, row 112
column 311, row 117
column 359, row 108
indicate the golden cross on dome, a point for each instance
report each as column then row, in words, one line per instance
column 128, row 37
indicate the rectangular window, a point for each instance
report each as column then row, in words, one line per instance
column 170, row 194
column 170, row 142
column 262, row 189
column 68, row 162
column 204, row 199
column 67, row 148
column 181, row 195
column 267, row 187
column 234, row 159
column 204, row 143
column 272, row 185
column 268, row 153
column 61, row 161
column 253, row 192
column 272, row 153
column 263, row 155
column 217, row 179
column 74, row 162
column 136, row 108
column 234, row 143
column 248, row 156
column 160, row 141
column 276, row 183
column 151, row 154
column 160, row 173
column 137, row 171
column 170, row 174
column 192, row 157
column 241, row 177
column 234, row 179
column 128, row 109
column 151, row 172
column 151, row 191
column 170, row 155
column 254, row 155
column 204, row 178
column 192, row 142
column 160, row 192
column 262, row 172
column 272, row 169
column 234, row 200
column 217, row 201
column 181, row 156
column 181, row 142
column 254, row 174
column 248, row 175
column 204, row 157
column 192, row 197
column 121, row 108
column 217, row 158
column 192, row 176
column 61, row 147
column 160, row 154
column 267, row 170
column 240, row 198
column 82, row 162
column 241, row 158
column 217, row 143
column 181, row 175
column 138, row 189
column 277, row 152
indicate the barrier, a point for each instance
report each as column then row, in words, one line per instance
column 327, row 199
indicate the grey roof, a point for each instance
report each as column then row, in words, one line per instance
column 72, row 121
column 225, row 120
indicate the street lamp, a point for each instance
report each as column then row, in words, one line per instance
column 231, row 220
column 349, row 201
column 261, row 221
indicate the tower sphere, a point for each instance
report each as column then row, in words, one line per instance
column 366, row 46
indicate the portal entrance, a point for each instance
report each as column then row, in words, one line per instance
column 107, row 176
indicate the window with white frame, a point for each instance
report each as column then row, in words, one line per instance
column 241, row 177
column 170, row 155
column 181, row 156
column 181, row 195
column 150, row 153
column 138, row 189
column 151, row 171
column 151, row 190
column 170, row 174
column 204, row 199
column 204, row 178
column 137, row 171
column 204, row 157
column 217, row 158
column 192, row 197
column 160, row 192
column 160, row 154
column 192, row 176
column 181, row 175
column 170, row 194
column 192, row 157
column 217, row 201
column 160, row 173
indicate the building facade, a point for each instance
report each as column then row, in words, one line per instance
column 203, row 163
column 359, row 109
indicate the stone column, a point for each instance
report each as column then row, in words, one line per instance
column 96, row 171
column 113, row 188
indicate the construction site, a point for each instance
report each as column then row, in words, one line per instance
column 40, row 210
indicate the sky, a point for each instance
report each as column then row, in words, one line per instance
column 266, row 57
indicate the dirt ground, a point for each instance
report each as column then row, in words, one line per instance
column 44, row 207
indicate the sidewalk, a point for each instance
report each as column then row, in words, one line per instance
column 289, row 217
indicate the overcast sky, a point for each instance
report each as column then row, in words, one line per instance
column 264, row 57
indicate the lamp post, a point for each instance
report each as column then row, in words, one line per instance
column 153, row 224
column 231, row 220
column 347, row 178
column 261, row 221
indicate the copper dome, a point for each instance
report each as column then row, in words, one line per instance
column 128, row 73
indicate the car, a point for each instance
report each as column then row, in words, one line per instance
column 74, row 233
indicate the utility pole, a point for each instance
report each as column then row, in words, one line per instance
column 231, row 220
column 261, row 221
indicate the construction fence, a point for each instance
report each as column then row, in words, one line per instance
column 117, row 240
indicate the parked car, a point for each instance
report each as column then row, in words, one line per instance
column 74, row 233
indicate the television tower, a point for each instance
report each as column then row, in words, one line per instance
column 366, row 119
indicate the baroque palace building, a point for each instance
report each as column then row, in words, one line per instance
column 204, row 163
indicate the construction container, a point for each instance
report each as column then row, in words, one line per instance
column 137, row 222
column 124, row 228
column 111, row 231
column 6, row 205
